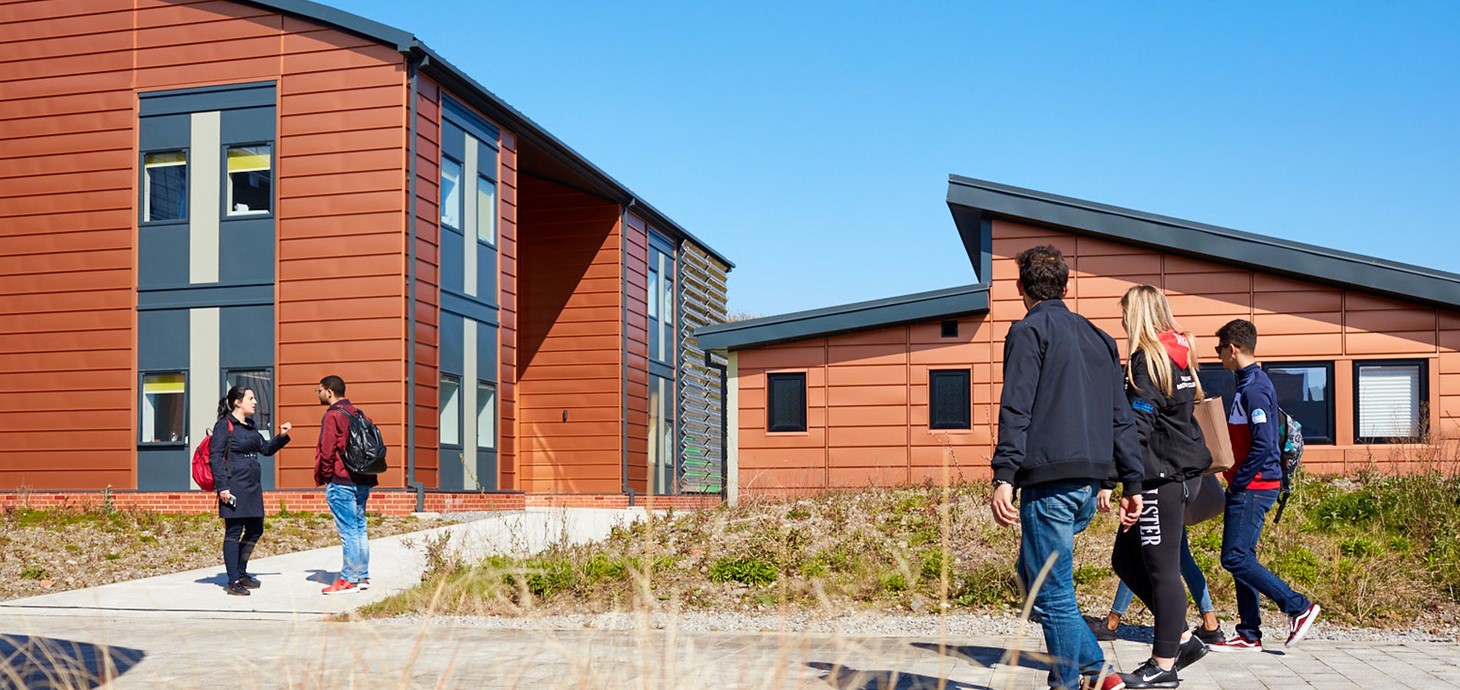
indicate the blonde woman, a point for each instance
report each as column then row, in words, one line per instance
column 1162, row 388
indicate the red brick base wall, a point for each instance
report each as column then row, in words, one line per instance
column 382, row 501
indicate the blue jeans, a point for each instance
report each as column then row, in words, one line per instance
column 1196, row 583
column 1050, row 516
column 1244, row 517
column 348, row 505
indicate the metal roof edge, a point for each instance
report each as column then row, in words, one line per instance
column 857, row 316
column 1210, row 242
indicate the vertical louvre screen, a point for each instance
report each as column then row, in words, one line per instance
column 787, row 402
column 948, row 399
column 1389, row 401
column 701, row 398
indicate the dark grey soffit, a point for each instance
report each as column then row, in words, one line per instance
column 461, row 85
column 860, row 316
column 1209, row 242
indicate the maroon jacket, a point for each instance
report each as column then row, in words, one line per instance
column 329, row 455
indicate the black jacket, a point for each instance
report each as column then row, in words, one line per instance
column 1172, row 443
column 240, row 474
column 1063, row 414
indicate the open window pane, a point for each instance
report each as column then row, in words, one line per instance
column 486, row 210
column 786, row 402
column 450, row 193
column 165, row 186
column 250, row 180
column 261, row 382
column 486, row 416
column 164, row 398
column 450, row 411
column 949, row 395
column 1305, row 390
column 1390, row 401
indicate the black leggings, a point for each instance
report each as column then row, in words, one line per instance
column 1147, row 557
column 239, row 537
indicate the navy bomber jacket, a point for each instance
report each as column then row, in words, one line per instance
column 1063, row 414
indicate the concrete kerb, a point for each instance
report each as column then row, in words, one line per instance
column 292, row 582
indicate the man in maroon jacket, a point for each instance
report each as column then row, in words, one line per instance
column 345, row 491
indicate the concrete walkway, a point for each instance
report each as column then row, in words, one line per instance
column 180, row 631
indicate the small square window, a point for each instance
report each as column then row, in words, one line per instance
column 450, row 193
column 250, row 180
column 486, row 416
column 1390, row 401
column 1305, row 391
column 164, row 186
column 450, row 411
column 949, row 394
column 164, row 407
column 950, row 329
column 261, row 382
column 786, row 402
column 486, row 210
column 1217, row 382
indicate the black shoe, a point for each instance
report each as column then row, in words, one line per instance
column 237, row 589
column 1209, row 636
column 1190, row 652
column 1103, row 631
column 1149, row 675
column 250, row 582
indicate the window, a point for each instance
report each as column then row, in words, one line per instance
column 1390, row 401
column 261, row 382
column 653, row 296
column 486, row 416
column 165, row 186
column 950, row 329
column 1305, row 390
column 450, row 411
column 948, row 399
column 250, row 180
column 450, row 193
column 164, row 402
column 486, row 210
column 1217, row 382
column 786, row 402
column 667, row 344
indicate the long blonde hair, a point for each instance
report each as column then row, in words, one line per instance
column 1147, row 316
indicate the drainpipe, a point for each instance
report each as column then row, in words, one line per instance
column 623, row 224
column 413, row 66
column 724, row 426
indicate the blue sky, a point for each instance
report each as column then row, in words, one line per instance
column 810, row 142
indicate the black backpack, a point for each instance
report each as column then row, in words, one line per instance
column 364, row 448
column 1290, row 448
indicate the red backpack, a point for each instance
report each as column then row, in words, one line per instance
column 202, row 469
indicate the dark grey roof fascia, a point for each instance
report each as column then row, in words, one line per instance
column 462, row 85
column 1210, row 242
column 859, row 316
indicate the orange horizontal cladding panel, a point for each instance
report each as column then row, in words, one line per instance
column 852, row 477
column 324, row 206
column 1236, row 304
column 305, row 53
column 855, row 355
column 1112, row 287
column 94, row 359
column 391, row 349
column 868, row 436
column 48, row 440
column 760, row 459
column 385, row 158
column 1395, row 343
column 1311, row 345
column 951, row 355
column 56, row 123
column 855, row 415
column 550, row 417
column 91, row 82
column 586, row 337
column 302, row 290
column 593, row 393
column 1096, row 308
column 783, row 357
column 73, row 459
column 65, row 480
column 1302, row 301
column 341, row 309
column 353, row 140
column 542, row 443
column 64, row 380
column 227, row 71
column 370, row 76
column 346, row 329
column 63, row 421
column 874, row 375
column 1030, row 234
column 1129, row 262
column 1233, row 281
column 1295, row 324
column 1390, row 320
column 343, row 121
column 64, row 143
column 31, row 206
column 346, row 99
column 366, row 250
column 71, row 322
column 339, row 229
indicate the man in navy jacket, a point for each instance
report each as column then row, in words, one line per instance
column 1064, row 427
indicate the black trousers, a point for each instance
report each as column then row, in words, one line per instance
column 239, row 537
column 1147, row 557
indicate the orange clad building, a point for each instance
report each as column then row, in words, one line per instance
column 195, row 194
column 1364, row 352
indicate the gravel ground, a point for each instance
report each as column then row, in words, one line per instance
column 885, row 625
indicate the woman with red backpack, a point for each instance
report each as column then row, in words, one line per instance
column 237, row 479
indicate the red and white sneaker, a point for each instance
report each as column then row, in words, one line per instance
column 340, row 587
column 1236, row 643
column 1299, row 625
column 363, row 584
column 1111, row 681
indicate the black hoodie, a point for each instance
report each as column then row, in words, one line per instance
column 1172, row 443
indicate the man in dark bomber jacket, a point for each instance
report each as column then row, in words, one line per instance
column 1064, row 426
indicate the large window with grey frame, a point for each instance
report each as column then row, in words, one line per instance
column 1391, row 401
column 163, row 412
column 1304, row 390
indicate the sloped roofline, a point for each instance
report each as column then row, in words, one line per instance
column 974, row 202
column 859, row 316
column 462, row 85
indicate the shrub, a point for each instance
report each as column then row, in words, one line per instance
column 746, row 571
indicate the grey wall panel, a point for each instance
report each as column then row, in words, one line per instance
column 462, row 305
column 487, row 158
column 452, row 475
column 486, row 470
column 246, row 337
column 165, row 132
column 453, row 141
column 246, row 250
column 162, row 340
column 208, row 98
column 452, row 333
column 486, row 273
column 453, row 266
column 205, row 296
column 486, row 352
column 162, row 256
column 248, row 125
column 164, row 468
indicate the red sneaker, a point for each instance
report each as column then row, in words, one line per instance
column 364, row 583
column 340, row 587
column 1298, row 625
column 1112, row 681
column 1236, row 643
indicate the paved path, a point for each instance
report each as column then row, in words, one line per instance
column 179, row 631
